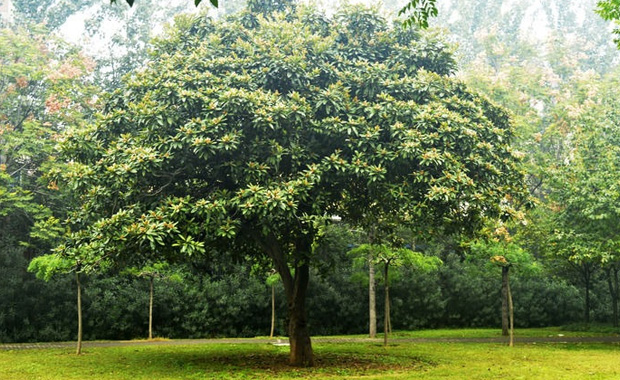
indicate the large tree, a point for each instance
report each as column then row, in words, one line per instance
column 248, row 135
column 44, row 86
column 584, row 196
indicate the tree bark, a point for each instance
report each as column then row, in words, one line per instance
column 386, row 322
column 372, row 299
column 79, row 311
column 505, row 316
column 150, row 308
column 299, row 337
column 586, row 280
column 390, row 318
column 612, row 282
column 510, row 309
column 295, row 288
column 615, row 301
column 273, row 310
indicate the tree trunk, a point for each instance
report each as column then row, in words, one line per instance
column 511, row 313
column 386, row 322
column 295, row 288
column 372, row 299
column 505, row 317
column 615, row 301
column 273, row 310
column 150, row 308
column 299, row 336
column 586, row 280
column 390, row 318
column 79, row 310
column 612, row 282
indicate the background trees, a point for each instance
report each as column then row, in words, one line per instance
column 391, row 258
column 43, row 87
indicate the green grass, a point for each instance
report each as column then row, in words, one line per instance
column 569, row 331
column 496, row 333
column 401, row 360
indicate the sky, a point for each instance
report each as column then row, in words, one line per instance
column 537, row 25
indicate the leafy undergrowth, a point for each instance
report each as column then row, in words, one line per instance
column 581, row 328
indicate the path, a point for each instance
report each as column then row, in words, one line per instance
column 172, row 342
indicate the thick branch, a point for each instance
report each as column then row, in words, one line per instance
column 269, row 244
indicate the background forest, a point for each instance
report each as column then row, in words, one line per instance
column 554, row 67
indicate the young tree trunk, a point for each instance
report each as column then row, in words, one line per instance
column 299, row 337
column 615, row 300
column 612, row 283
column 150, row 308
column 586, row 280
column 372, row 299
column 386, row 322
column 390, row 318
column 510, row 309
column 79, row 310
column 273, row 310
column 505, row 317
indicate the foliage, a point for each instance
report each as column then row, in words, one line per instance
column 610, row 11
column 44, row 86
column 42, row 89
column 231, row 302
column 160, row 270
column 46, row 266
column 397, row 257
column 585, row 189
column 140, row 154
column 503, row 254
column 419, row 11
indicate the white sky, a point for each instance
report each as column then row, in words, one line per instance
column 535, row 27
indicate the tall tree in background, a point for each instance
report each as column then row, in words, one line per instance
column 116, row 51
column 44, row 87
column 585, row 195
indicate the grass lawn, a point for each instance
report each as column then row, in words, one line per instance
column 334, row 361
column 496, row 333
column 576, row 331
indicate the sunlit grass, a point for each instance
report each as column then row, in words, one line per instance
column 401, row 360
column 570, row 331
column 497, row 333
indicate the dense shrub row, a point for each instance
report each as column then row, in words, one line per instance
column 236, row 302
